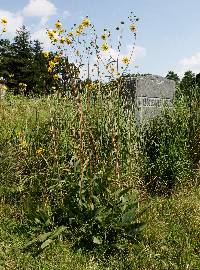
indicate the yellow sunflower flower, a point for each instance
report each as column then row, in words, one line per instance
column 68, row 41
column 50, row 34
column 50, row 70
column 70, row 34
column 81, row 27
column 61, row 31
column 56, row 77
column 78, row 32
column 19, row 134
column 58, row 24
column 62, row 40
column 56, row 58
column 86, row 22
column 105, row 47
column 103, row 36
column 40, row 151
column 46, row 54
column 4, row 21
column 133, row 28
column 125, row 60
column 55, row 40
column 23, row 143
column 52, row 64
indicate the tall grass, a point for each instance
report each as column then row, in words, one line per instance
column 94, row 198
column 75, row 165
column 170, row 148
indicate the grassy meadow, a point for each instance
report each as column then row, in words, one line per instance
column 83, row 187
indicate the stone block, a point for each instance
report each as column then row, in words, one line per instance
column 148, row 94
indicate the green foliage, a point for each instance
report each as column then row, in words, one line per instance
column 108, row 225
column 188, row 85
column 170, row 240
column 71, row 167
column 45, row 239
column 198, row 80
column 173, row 76
column 46, row 186
column 111, row 224
column 20, row 61
column 23, row 63
column 170, row 146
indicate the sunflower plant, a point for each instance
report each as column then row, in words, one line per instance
column 90, row 167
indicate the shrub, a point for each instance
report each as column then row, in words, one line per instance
column 170, row 148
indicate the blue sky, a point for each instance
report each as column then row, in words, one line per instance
column 168, row 35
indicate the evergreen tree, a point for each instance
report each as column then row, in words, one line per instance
column 5, row 54
column 68, row 73
column 188, row 84
column 25, row 68
column 41, row 79
column 198, row 80
column 171, row 75
column 22, row 60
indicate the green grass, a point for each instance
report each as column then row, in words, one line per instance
column 171, row 238
column 13, row 239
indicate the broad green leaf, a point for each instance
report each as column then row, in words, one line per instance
column 97, row 240
column 58, row 231
column 136, row 227
column 44, row 236
column 46, row 243
column 127, row 218
column 30, row 243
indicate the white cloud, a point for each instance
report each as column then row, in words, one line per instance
column 42, row 9
column 42, row 36
column 66, row 13
column 15, row 21
column 39, row 8
column 189, row 63
column 136, row 52
column 43, row 21
column 133, row 52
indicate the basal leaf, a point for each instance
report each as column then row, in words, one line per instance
column 46, row 243
column 97, row 240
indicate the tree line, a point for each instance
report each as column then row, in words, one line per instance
column 188, row 85
column 24, row 66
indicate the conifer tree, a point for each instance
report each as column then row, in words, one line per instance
column 22, row 60
column 5, row 54
column 25, row 68
column 188, row 84
column 171, row 75
column 41, row 79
